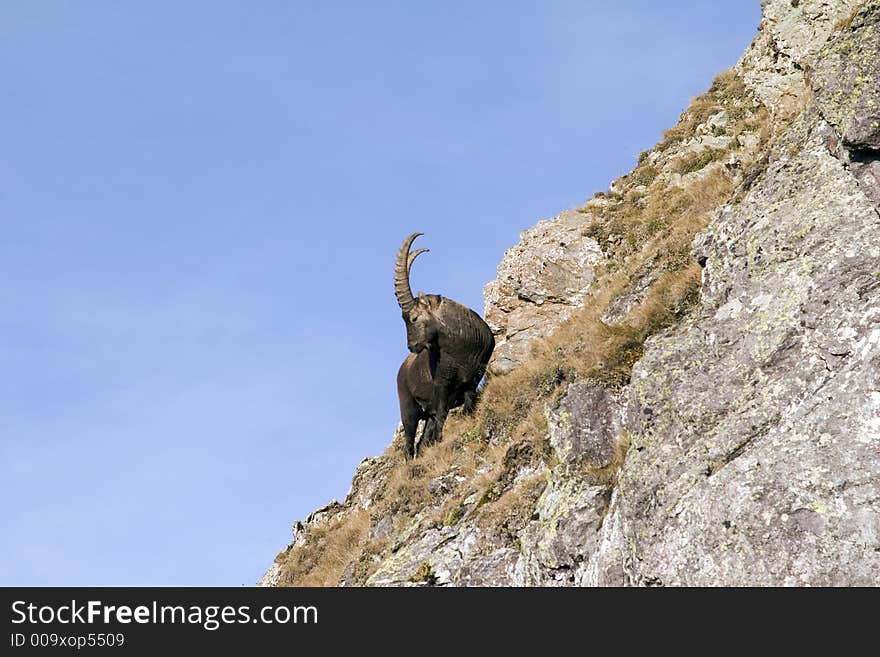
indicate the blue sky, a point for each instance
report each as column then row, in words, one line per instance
column 199, row 208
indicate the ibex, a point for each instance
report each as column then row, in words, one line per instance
column 450, row 345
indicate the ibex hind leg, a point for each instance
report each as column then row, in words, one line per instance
column 410, row 414
column 429, row 432
column 433, row 430
column 438, row 411
column 469, row 401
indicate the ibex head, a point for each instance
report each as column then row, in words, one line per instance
column 418, row 312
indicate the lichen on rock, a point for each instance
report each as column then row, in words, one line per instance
column 846, row 79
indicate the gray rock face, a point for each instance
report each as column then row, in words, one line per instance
column 560, row 542
column 566, row 532
column 846, row 80
column 800, row 28
column 540, row 282
column 746, row 448
column 756, row 427
column 791, row 35
column 758, row 462
column 584, row 426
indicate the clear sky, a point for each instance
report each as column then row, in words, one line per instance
column 200, row 204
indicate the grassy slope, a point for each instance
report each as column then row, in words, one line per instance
column 645, row 226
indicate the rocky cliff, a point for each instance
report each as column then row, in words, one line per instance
column 686, row 389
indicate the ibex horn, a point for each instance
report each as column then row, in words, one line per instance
column 404, row 263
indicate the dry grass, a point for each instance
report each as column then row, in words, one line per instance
column 586, row 346
column 650, row 282
column 338, row 541
column 728, row 92
column 424, row 575
column 623, row 228
column 698, row 161
column 506, row 516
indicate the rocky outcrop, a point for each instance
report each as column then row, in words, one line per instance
column 756, row 427
column 743, row 447
column 845, row 82
column 540, row 282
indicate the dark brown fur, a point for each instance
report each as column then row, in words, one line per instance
column 451, row 346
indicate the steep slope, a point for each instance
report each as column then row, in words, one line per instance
column 686, row 388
